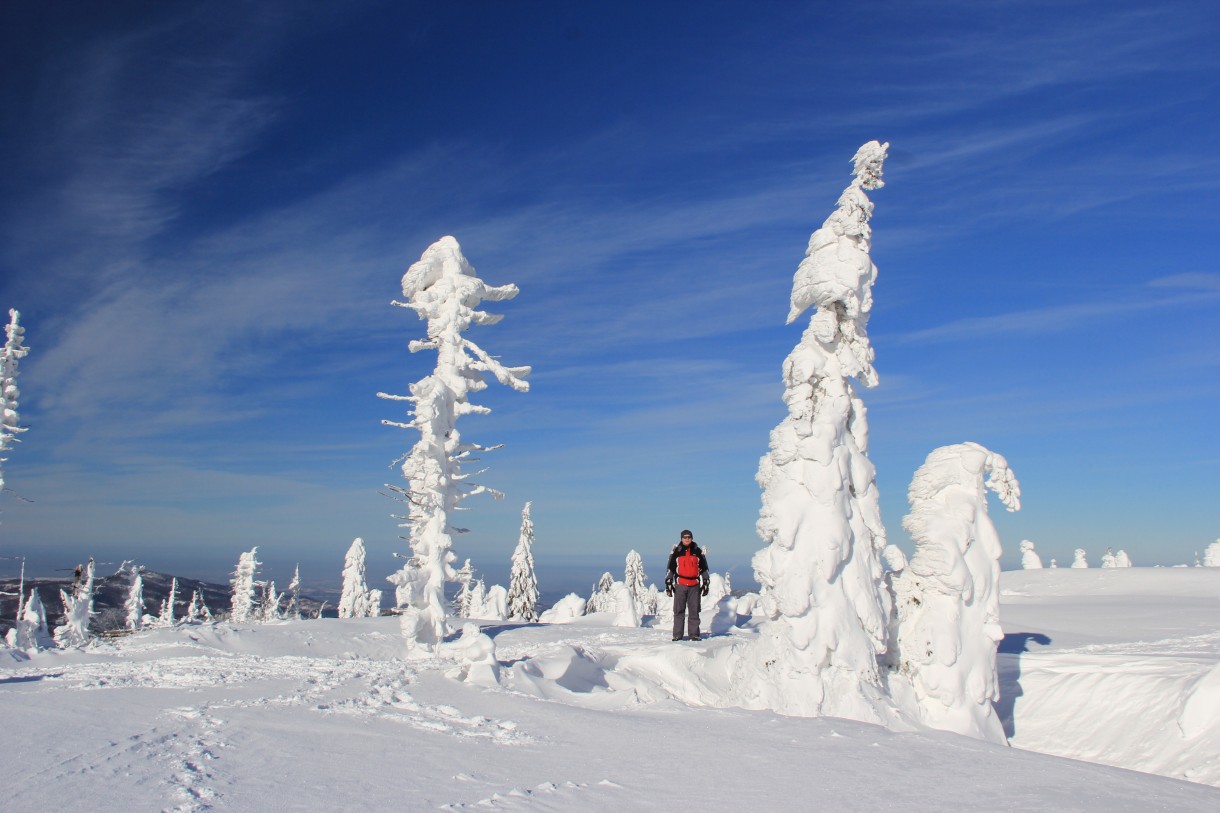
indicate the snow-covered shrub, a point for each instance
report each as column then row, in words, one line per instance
column 947, row 598
column 78, row 609
column 1030, row 560
column 1080, row 560
column 826, row 607
column 30, row 631
column 242, row 606
column 622, row 604
column 652, row 600
column 1108, row 560
column 567, row 608
column 356, row 599
column 634, row 578
column 1121, row 559
column 491, row 605
column 1211, row 555
column 443, row 289
column 522, row 583
column 269, row 604
column 717, row 588
column 475, row 653
column 12, row 353
column 600, row 600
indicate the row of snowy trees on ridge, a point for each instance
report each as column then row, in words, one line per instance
column 1030, row 560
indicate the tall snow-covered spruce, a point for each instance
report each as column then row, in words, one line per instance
column 242, row 607
column 948, row 596
column 823, row 596
column 357, row 600
column 12, row 353
column 443, row 289
column 522, row 583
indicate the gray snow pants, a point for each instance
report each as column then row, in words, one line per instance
column 686, row 602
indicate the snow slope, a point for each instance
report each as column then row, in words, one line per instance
column 327, row 715
column 1121, row 666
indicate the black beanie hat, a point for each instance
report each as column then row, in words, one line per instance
column 687, row 533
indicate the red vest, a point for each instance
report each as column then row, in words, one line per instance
column 688, row 567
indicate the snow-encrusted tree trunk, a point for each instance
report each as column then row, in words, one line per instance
column 134, row 606
column 12, row 353
column 522, row 583
column 825, row 605
column 78, row 609
column 1030, row 560
column 947, row 597
column 241, row 606
column 1080, row 560
column 166, row 618
column 357, row 601
column 634, row 577
column 443, row 289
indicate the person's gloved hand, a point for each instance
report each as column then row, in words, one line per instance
column 669, row 589
column 707, row 585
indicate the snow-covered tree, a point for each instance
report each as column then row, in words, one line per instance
column 599, row 599
column 1121, row 559
column 1080, row 560
column 522, row 583
column 442, row 288
column 269, row 604
column 634, row 578
column 473, row 603
column 357, row 600
column 464, row 578
column 242, row 605
column 12, row 353
column 825, row 605
column 652, row 600
column 78, row 608
column 194, row 610
column 166, row 617
column 1211, row 555
column 31, row 627
column 1108, row 560
column 948, row 598
column 292, row 598
column 1030, row 560
column 134, row 606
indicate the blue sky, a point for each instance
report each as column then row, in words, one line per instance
column 206, row 210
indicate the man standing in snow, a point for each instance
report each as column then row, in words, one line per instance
column 684, row 575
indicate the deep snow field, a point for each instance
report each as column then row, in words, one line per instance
column 1121, row 666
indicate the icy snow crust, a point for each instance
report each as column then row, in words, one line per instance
column 329, row 715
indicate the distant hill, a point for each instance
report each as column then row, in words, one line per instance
column 110, row 596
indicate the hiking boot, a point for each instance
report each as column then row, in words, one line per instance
column 677, row 637
column 696, row 637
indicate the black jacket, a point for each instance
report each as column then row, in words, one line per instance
column 671, row 569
